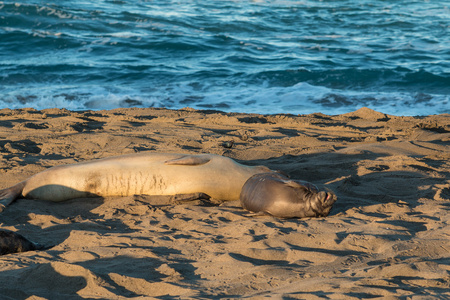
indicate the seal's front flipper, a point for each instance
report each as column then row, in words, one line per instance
column 196, row 199
column 189, row 160
column 7, row 196
column 181, row 198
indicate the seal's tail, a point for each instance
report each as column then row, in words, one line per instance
column 7, row 196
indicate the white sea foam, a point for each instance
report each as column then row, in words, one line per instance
column 301, row 98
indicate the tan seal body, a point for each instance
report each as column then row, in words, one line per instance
column 144, row 173
column 279, row 196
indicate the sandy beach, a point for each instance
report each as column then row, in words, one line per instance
column 387, row 236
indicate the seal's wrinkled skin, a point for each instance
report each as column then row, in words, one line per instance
column 279, row 196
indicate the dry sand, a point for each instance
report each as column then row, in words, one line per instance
column 388, row 234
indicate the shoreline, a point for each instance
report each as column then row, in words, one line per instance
column 387, row 234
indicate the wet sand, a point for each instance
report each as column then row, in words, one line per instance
column 388, row 234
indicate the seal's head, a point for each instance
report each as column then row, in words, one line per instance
column 279, row 196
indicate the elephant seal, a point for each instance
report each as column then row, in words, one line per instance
column 143, row 173
column 12, row 242
column 277, row 195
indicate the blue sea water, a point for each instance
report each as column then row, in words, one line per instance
column 262, row 56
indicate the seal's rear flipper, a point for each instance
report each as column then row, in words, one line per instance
column 257, row 214
column 189, row 160
column 12, row 242
column 7, row 196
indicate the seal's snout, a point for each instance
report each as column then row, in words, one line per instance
column 322, row 203
column 324, row 196
column 330, row 197
column 327, row 198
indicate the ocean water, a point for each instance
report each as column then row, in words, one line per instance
column 299, row 57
